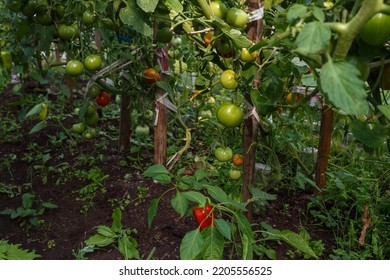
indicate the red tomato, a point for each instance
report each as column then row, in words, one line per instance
column 103, row 99
column 151, row 76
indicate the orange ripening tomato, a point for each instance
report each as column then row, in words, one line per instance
column 207, row 38
column 238, row 159
column 289, row 98
column 151, row 76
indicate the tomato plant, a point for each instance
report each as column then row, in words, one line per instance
column 223, row 154
column 164, row 35
column 94, row 90
column 234, row 174
column 218, row 9
column 150, row 76
column 103, row 99
column 142, row 130
column 228, row 79
column 376, row 30
column 223, row 46
column 237, row 17
column 93, row 62
column 247, row 56
column 238, row 159
column 230, row 115
column 89, row 17
column 74, row 67
column 361, row 65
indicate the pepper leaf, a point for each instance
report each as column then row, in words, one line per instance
column 191, row 245
column 195, row 197
column 180, row 203
column 213, row 244
column 152, row 211
column 159, row 173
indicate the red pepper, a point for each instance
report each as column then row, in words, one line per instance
column 203, row 217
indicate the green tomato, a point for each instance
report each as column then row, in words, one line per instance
column 218, row 8
column 205, row 114
column 247, row 56
column 376, row 30
column 234, row 174
column 44, row 19
column 92, row 120
column 66, row 32
column 6, row 57
column 230, row 115
column 223, row 154
column 164, row 35
column 89, row 17
column 228, row 79
column 91, row 109
column 78, row 127
column 93, row 62
column 176, row 42
column 94, row 90
column 74, row 67
column 142, row 130
column 237, row 17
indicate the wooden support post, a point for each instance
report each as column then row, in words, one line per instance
column 125, row 124
column 160, row 130
column 324, row 146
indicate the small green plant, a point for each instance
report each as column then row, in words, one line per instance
column 27, row 213
column 14, row 252
column 114, row 235
column 87, row 194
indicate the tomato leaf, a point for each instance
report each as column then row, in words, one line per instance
column 191, row 245
column 313, row 38
column 174, row 5
column 373, row 135
column 296, row 11
column 319, row 14
column 340, row 82
column 147, row 6
column 385, row 109
column 134, row 17
column 180, row 203
column 213, row 244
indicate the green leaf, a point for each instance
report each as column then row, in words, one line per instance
column 296, row 11
column 217, row 193
column 174, row 5
column 49, row 205
column 191, row 245
column 128, row 247
column 34, row 110
column 147, row 6
column 99, row 240
column 159, row 173
column 213, row 244
column 38, row 127
column 200, row 174
column 313, row 38
column 195, row 197
column 38, row 77
column 238, row 39
column 372, row 134
column 180, row 203
column 247, row 249
column 152, row 211
column 117, row 220
column 224, row 228
column 27, row 200
column 319, row 14
column 295, row 240
column 134, row 17
column 340, row 82
column 243, row 224
column 105, row 231
column 14, row 252
column 385, row 109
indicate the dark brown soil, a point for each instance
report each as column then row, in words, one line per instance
column 66, row 228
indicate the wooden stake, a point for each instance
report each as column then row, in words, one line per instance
column 125, row 124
